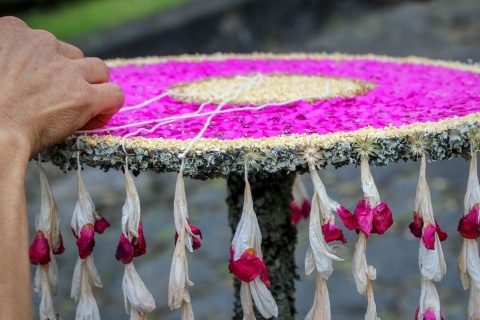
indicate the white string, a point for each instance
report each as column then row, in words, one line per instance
column 78, row 154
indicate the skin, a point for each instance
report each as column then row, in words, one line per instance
column 48, row 90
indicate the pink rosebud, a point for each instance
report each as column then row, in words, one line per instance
column 382, row 218
column 196, row 243
column 60, row 248
column 39, row 251
column 428, row 237
column 124, row 250
column 248, row 267
column 332, row 232
column 469, row 227
column 100, row 224
column 86, row 241
column 347, row 218
column 139, row 244
column 417, row 225
column 306, row 207
column 364, row 216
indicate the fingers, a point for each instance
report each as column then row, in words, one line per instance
column 109, row 98
column 93, row 70
column 70, row 52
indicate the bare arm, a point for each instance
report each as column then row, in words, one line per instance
column 48, row 90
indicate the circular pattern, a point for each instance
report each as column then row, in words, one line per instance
column 387, row 102
column 259, row 89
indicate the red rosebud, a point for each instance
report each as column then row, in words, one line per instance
column 101, row 224
column 86, row 241
column 196, row 242
column 417, row 225
column 347, row 218
column 306, row 208
column 469, row 227
column 124, row 250
column 39, row 251
column 60, row 248
column 248, row 267
column 332, row 232
column 382, row 218
column 139, row 244
column 428, row 237
column 364, row 216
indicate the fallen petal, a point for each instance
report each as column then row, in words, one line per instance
column 39, row 251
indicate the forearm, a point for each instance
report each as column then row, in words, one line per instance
column 15, row 301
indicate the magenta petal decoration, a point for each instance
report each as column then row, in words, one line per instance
column 139, row 244
column 101, row 225
column 39, row 251
column 60, row 248
column 428, row 237
column 347, row 218
column 364, row 216
column 332, row 232
column 124, row 250
column 382, row 218
column 469, row 227
column 248, row 267
column 86, row 241
column 417, row 225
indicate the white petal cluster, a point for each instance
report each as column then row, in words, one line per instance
column 84, row 212
column 469, row 260
column 85, row 280
column 85, row 276
column 247, row 236
column 137, row 298
column 46, row 276
column 178, row 295
column 431, row 262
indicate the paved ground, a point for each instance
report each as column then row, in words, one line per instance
column 442, row 29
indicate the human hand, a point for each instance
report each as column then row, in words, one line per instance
column 48, row 90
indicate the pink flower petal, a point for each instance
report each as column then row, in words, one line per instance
column 296, row 213
column 364, row 215
column 248, row 267
column 101, row 225
column 430, row 315
column 306, row 207
column 441, row 235
column 196, row 242
column 347, row 218
column 139, row 244
column 124, row 250
column 469, row 227
column 39, row 251
column 264, row 276
column 382, row 218
column 86, row 241
column 428, row 237
column 417, row 225
column 332, row 232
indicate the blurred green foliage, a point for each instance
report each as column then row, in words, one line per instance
column 70, row 19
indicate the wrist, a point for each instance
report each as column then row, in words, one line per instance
column 14, row 154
